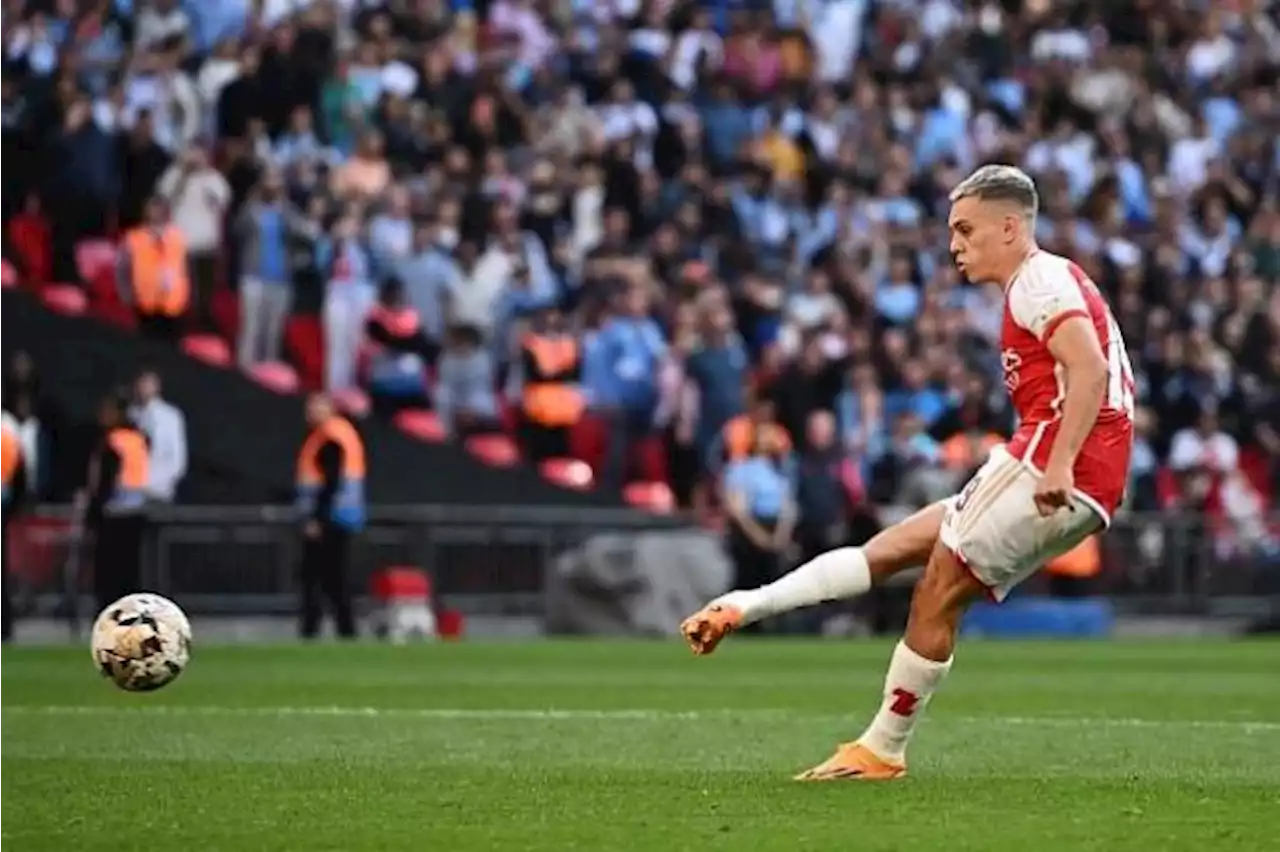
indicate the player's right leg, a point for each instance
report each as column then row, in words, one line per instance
column 992, row 538
column 845, row 572
column 920, row 662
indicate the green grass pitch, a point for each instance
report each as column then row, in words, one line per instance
column 598, row 745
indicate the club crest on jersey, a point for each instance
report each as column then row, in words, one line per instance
column 1011, row 361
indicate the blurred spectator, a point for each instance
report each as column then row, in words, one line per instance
column 464, row 391
column 27, row 424
column 166, row 431
column 198, row 195
column 153, row 273
column 430, row 275
column 399, row 353
column 757, row 495
column 547, row 379
column 265, row 228
column 628, row 349
column 717, row 373
column 812, row 382
column 828, row 486
column 348, row 296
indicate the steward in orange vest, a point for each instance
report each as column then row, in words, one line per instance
column 118, row 477
column 154, row 272
column 12, row 469
column 738, row 439
column 331, row 469
column 330, row 503
column 551, row 401
column 14, row 476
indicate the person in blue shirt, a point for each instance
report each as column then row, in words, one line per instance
column 627, row 351
column 757, row 495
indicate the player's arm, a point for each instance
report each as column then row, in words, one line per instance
column 1075, row 346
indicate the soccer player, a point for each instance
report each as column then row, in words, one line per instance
column 1056, row 482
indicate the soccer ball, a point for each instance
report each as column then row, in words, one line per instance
column 141, row 642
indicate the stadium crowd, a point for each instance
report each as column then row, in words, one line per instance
column 716, row 224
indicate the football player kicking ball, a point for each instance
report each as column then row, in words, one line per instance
column 1055, row 483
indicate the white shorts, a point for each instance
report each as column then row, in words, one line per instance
column 995, row 530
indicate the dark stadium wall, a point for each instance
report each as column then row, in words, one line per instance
column 242, row 438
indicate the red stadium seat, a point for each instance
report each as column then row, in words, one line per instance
column 569, row 473
column 451, row 624
column 8, row 275
column 115, row 312
column 421, row 424
column 65, row 299
column 653, row 497
column 589, row 440
column 96, row 257
column 304, row 341
column 225, row 307
column 275, row 376
column 495, row 450
column 400, row 583
column 352, row 402
column 208, row 348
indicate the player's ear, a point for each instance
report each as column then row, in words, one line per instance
column 1011, row 225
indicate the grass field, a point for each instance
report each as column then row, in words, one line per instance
column 637, row 746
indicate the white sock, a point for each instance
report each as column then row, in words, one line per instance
column 907, row 689
column 830, row 576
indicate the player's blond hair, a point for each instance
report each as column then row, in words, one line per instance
column 1001, row 183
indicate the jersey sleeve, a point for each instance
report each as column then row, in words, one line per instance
column 1044, row 296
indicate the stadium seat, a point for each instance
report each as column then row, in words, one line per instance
column 65, row 299
column 495, row 450
column 653, row 497
column 224, row 305
column 304, row 343
column 114, row 312
column 569, row 473
column 589, row 440
column 208, row 348
column 8, row 275
column 421, row 424
column 275, row 376
column 352, row 402
column 400, row 582
column 451, row 624
column 94, row 258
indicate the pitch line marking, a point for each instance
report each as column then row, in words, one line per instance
column 618, row 715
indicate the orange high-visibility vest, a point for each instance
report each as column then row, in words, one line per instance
column 740, row 437
column 553, row 403
column 957, row 451
column 1084, row 560
column 130, row 490
column 10, row 455
column 348, row 502
column 158, row 264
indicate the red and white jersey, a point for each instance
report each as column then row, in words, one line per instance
column 1045, row 292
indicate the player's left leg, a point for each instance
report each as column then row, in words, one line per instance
column 920, row 662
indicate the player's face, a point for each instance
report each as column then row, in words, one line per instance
column 979, row 237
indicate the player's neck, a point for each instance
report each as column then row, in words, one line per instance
column 1017, row 259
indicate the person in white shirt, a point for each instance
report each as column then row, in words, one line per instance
column 159, row 21
column 166, row 430
column 198, row 195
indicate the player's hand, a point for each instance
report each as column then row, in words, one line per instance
column 1053, row 491
column 311, row 530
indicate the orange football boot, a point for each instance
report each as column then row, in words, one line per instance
column 854, row 762
column 708, row 626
